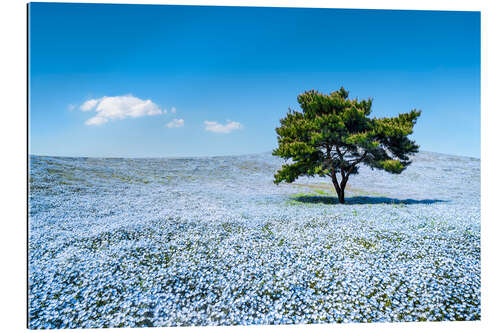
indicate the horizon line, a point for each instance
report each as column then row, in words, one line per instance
column 208, row 156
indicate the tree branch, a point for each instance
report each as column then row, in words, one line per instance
column 333, row 174
column 335, row 182
column 341, row 155
column 356, row 162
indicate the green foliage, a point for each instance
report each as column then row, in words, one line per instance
column 393, row 166
column 334, row 134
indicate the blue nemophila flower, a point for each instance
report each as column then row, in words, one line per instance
column 169, row 242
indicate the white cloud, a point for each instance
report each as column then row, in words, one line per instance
column 89, row 105
column 175, row 123
column 96, row 121
column 173, row 110
column 119, row 107
column 215, row 127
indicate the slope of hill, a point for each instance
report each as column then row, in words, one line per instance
column 160, row 242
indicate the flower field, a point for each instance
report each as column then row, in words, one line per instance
column 212, row 241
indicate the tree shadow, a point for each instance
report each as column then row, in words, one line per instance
column 363, row 200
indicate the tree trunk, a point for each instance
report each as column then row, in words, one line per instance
column 338, row 188
column 340, row 194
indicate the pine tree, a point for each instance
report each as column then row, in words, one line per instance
column 332, row 135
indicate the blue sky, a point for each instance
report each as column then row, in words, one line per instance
column 105, row 79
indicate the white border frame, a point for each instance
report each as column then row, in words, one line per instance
column 14, row 162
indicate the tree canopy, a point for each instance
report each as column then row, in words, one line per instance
column 332, row 135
